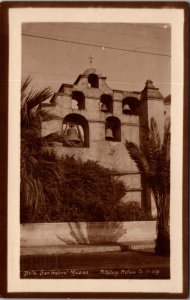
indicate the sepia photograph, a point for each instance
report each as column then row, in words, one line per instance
column 96, row 150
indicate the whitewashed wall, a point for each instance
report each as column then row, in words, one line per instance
column 138, row 235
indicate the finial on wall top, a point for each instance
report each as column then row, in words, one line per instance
column 149, row 84
column 90, row 60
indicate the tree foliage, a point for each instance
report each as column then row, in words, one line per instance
column 39, row 176
column 153, row 161
column 89, row 191
column 63, row 189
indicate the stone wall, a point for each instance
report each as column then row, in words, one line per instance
column 139, row 233
column 110, row 154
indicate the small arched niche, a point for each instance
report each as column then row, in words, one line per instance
column 75, row 131
column 130, row 105
column 78, row 100
column 113, row 129
column 93, row 81
column 106, row 103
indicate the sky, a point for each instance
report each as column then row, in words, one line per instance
column 126, row 53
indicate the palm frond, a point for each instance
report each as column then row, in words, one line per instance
column 154, row 135
column 151, row 147
column 48, row 154
column 156, row 170
column 166, row 141
column 34, row 98
column 28, row 164
column 155, row 154
column 32, row 196
column 40, row 179
column 24, row 86
column 48, row 172
column 137, row 155
column 47, row 116
column 30, row 99
column 53, row 137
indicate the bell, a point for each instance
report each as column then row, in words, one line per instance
column 126, row 108
column 109, row 134
column 104, row 108
column 72, row 135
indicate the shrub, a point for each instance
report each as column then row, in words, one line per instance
column 85, row 191
column 131, row 211
column 89, row 191
column 77, row 191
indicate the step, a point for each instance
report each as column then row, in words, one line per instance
column 56, row 250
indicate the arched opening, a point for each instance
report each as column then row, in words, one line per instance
column 130, row 105
column 113, row 129
column 75, row 131
column 78, row 100
column 74, row 104
column 93, row 81
column 106, row 103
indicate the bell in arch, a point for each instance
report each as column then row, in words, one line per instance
column 126, row 108
column 109, row 134
column 104, row 107
column 72, row 134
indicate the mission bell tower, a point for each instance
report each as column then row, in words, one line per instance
column 93, row 122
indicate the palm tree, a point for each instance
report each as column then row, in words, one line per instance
column 153, row 161
column 40, row 178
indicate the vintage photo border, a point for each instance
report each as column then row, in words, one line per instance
column 4, row 17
